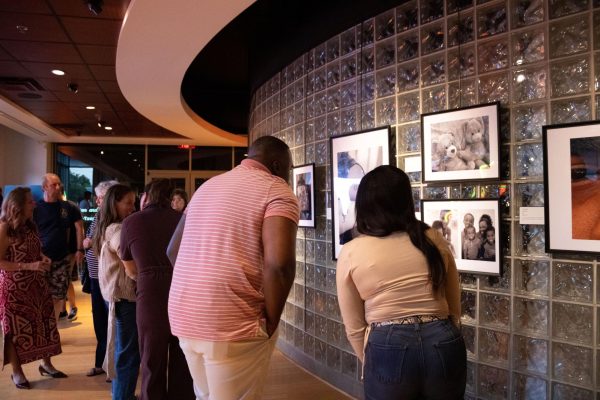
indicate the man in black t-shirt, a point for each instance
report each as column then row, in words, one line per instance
column 54, row 219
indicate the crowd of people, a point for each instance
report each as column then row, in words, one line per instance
column 190, row 295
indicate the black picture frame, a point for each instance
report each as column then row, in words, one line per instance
column 303, row 184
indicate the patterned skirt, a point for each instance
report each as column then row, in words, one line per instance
column 27, row 315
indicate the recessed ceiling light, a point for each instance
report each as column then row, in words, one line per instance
column 108, row 128
column 22, row 29
column 101, row 151
column 90, row 107
column 58, row 72
column 135, row 160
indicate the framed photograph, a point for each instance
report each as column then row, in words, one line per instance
column 572, row 187
column 304, row 188
column 461, row 144
column 352, row 156
column 472, row 230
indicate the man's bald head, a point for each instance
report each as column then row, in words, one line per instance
column 274, row 154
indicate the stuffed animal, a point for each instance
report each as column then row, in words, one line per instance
column 447, row 154
column 474, row 152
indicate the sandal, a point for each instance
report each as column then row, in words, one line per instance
column 95, row 371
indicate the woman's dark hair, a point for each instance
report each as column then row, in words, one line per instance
column 183, row 194
column 487, row 219
column 108, row 213
column 159, row 192
column 384, row 205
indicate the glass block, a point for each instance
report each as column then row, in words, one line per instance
column 368, row 87
column 529, row 161
column 385, row 82
column 407, row 46
column 493, row 346
column 349, row 365
column 596, row 30
column 572, row 364
column 468, row 280
column 432, row 38
column 492, row 382
column 321, row 149
column 527, row 12
column 408, row 76
column 409, row 138
column 348, row 41
column 348, row 68
column 530, row 240
column 526, row 387
column 320, row 302
column 435, row 193
column 530, row 354
column 493, row 55
column 460, row 29
column 333, row 48
column 528, row 47
column 321, row 128
column 461, row 62
column 462, row 94
column 471, row 377
column 431, row 10
column 560, row 8
column 320, row 255
column 565, row 392
column 334, row 332
column 406, row 16
column 333, row 99
column 529, row 84
column 498, row 283
column 320, row 79
column 334, row 358
column 365, row 34
column 569, row 36
column 408, row 107
column 491, row 20
column 333, row 73
column 384, row 25
column 528, row 122
column 469, row 333
column 310, row 153
column 532, row 277
column 331, row 285
column 434, row 99
column 570, row 77
column 320, row 55
column 570, row 110
column 572, row 322
column 299, row 112
column 386, row 111
column 494, row 88
column 468, row 301
column 310, row 83
column 348, row 94
column 453, row 6
column 385, row 53
column 573, row 281
column 531, row 316
column 320, row 351
column 367, row 118
column 333, row 123
column 349, row 120
column 494, row 309
column 298, row 339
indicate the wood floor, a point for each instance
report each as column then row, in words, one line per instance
column 286, row 381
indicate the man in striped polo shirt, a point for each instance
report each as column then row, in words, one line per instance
column 234, row 270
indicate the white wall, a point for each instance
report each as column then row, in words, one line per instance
column 22, row 159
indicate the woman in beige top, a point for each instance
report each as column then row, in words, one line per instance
column 399, row 296
column 122, row 360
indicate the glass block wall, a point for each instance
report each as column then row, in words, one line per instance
column 533, row 332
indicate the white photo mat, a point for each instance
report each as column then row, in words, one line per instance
column 306, row 195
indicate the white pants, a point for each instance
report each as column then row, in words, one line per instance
column 229, row 370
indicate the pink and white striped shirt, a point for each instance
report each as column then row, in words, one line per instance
column 216, row 293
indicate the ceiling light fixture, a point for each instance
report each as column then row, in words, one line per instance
column 73, row 87
column 108, row 128
column 22, row 29
column 95, row 6
column 58, row 72
column 90, row 107
column 101, row 151
column 101, row 123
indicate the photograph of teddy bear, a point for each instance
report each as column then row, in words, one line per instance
column 460, row 145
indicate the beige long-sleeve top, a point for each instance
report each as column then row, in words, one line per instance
column 381, row 279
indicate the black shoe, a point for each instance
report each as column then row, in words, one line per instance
column 21, row 385
column 56, row 374
column 62, row 314
column 73, row 314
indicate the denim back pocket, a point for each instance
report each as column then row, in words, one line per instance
column 453, row 357
column 384, row 362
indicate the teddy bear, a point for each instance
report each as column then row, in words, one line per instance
column 474, row 152
column 447, row 154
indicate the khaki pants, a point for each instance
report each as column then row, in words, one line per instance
column 229, row 370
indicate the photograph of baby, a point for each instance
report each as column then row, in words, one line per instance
column 469, row 228
column 460, row 145
column 303, row 178
column 585, row 188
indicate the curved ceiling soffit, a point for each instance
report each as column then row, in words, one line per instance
column 158, row 41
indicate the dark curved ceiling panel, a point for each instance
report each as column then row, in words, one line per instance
column 262, row 40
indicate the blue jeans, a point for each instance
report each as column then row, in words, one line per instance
column 415, row 361
column 127, row 353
